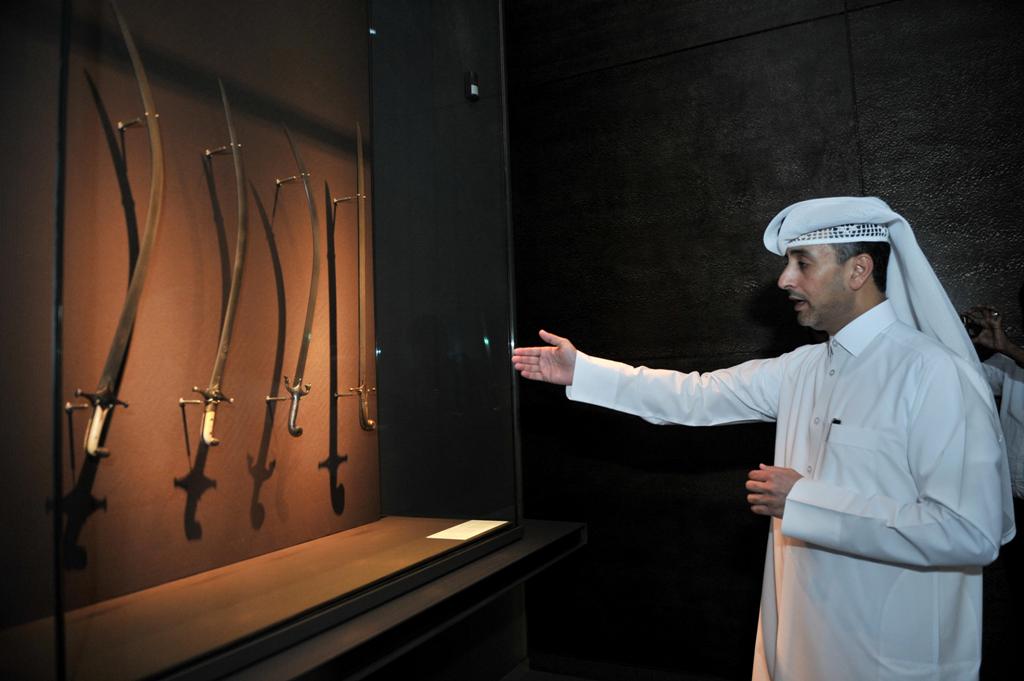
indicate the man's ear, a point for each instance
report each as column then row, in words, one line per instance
column 861, row 267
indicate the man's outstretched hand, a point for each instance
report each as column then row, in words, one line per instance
column 553, row 363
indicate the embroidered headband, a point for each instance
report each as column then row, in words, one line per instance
column 839, row 234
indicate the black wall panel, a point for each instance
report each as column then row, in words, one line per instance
column 640, row 193
column 940, row 106
column 563, row 39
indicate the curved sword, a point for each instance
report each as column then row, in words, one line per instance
column 212, row 396
column 105, row 398
column 296, row 388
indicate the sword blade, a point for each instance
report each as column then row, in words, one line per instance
column 330, row 220
column 361, row 227
column 119, row 346
column 307, row 329
column 240, row 248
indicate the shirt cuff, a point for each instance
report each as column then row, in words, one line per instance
column 594, row 380
column 810, row 512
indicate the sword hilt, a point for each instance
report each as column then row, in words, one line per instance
column 365, row 422
column 102, row 403
column 211, row 400
column 297, row 392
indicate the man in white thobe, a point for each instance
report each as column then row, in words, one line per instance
column 889, row 488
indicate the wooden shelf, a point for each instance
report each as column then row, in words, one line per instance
column 157, row 629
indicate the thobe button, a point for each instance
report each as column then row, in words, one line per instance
column 810, row 469
column 832, row 372
column 817, row 420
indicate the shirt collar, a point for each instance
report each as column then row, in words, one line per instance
column 859, row 333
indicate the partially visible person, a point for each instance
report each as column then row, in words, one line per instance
column 1005, row 372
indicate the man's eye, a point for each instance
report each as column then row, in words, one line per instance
column 801, row 264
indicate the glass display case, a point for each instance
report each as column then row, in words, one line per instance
column 258, row 313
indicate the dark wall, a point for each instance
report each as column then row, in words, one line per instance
column 651, row 143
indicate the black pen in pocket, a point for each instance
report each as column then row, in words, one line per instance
column 833, row 422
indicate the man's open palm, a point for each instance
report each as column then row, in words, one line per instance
column 552, row 363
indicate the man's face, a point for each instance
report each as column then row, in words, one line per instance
column 816, row 284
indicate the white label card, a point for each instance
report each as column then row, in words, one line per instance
column 468, row 529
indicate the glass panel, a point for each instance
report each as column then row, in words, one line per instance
column 184, row 539
column 443, row 261
column 30, row 58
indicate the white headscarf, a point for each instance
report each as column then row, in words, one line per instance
column 911, row 284
column 916, row 294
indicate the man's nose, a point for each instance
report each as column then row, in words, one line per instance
column 785, row 281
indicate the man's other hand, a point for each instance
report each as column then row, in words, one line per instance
column 553, row 363
column 769, row 486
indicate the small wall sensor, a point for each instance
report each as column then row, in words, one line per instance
column 472, row 86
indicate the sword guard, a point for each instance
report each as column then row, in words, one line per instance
column 104, row 398
column 214, row 396
column 299, row 388
column 209, row 397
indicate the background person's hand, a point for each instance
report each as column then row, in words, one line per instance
column 553, row 363
column 988, row 326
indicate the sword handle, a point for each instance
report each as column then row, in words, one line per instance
column 94, row 431
column 211, row 398
column 102, row 402
column 209, row 415
column 365, row 422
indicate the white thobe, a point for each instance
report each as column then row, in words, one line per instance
column 875, row 570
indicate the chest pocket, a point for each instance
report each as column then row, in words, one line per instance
column 861, row 459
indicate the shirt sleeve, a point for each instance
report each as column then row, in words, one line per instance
column 994, row 374
column 747, row 392
column 957, row 463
